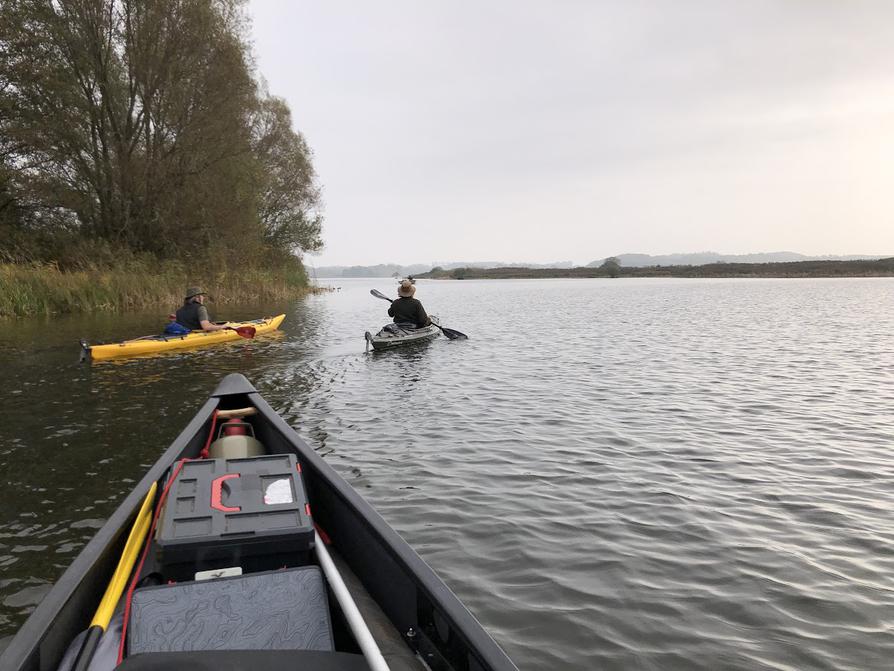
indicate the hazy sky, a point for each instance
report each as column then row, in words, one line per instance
column 545, row 131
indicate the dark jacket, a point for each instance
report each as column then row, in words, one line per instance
column 408, row 311
column 191, row 315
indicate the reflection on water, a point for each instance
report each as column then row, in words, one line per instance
column 667, row 474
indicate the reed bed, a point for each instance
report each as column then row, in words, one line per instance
column 44, row 289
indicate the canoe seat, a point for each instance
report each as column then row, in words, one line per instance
column 246, row 660
column 274, row 610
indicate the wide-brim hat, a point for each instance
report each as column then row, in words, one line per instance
column 194, row 291
column 406, row 289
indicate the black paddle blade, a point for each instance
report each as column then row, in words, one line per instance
column 379, row 294
column 453, row 335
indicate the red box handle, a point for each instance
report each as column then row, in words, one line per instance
column 216, row 493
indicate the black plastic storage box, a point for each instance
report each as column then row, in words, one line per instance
column 220, row 513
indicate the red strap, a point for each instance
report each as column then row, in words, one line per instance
column 204, row 453
column 217, row 493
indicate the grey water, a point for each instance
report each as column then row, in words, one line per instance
column 610, row 474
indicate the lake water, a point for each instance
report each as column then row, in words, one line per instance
column 610, row 474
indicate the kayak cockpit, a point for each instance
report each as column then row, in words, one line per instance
column 394, row 335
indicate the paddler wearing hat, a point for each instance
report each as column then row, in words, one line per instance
column 406, row 309
column 194, row 315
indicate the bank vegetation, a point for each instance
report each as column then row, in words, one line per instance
column 140, row 152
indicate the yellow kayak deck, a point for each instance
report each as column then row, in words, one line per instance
column 164, row 343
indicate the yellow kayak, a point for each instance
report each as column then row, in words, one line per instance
column 164, row 343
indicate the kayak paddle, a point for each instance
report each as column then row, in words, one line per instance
column 450, row 333
column 244, row 331
column 116, row 586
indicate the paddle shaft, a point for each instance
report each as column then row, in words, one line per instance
column 116, row 585
column 352, row 614
column 379, row 294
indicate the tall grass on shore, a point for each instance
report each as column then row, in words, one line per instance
column 44, row 289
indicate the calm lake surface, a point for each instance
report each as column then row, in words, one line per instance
column 611, row 474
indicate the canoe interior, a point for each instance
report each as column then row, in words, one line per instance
column 425, row 613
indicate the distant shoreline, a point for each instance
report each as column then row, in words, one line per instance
column 791, row 269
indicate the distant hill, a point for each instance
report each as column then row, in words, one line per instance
column 449, row 265
column 380, row 270
column 705, row 258
column 390, row 269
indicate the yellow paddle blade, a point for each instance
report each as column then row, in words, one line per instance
column 125, row 564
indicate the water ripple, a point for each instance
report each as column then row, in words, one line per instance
column 639, row 474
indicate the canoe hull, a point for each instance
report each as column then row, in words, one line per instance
column 401, row 583
column 157, row 344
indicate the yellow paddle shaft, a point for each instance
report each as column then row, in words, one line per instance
column 125, row 564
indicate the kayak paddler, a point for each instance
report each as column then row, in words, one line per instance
column 406, row 309
column 194, row 315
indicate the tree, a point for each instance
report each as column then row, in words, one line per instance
column 289, row 197
column 611, row 266
column 138, row 123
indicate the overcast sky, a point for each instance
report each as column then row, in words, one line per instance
column 546, row 131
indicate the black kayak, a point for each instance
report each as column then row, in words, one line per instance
column 243, row 550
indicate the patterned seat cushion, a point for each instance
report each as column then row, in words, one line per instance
column 275, row 610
